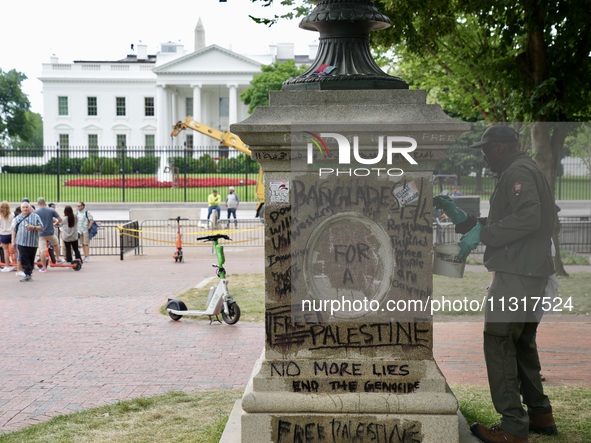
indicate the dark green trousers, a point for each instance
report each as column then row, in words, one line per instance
column 510, row 350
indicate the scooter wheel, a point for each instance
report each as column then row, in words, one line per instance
column 175, row 317
column 177, row 305
column 77, row 265
column 234, row 314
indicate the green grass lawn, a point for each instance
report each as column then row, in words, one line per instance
column 248, row 291
column 201, row 418
column 17, row 186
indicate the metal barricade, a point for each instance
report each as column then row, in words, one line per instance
column 157, row 233
column 127, row 240
column 107, row 239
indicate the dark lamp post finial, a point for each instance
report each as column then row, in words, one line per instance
column 344, row 60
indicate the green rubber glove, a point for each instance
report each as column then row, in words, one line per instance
column 469, row 242
column 446, row 203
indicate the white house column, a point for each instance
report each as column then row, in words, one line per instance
column 163, row 133
column 173, row 116
column 161, row 107
column 233, row 104
column 197, row 137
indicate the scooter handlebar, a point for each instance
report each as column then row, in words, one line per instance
column 214, row 237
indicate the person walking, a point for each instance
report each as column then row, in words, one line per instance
column 232, row 202
column 25, row 237
column 19, row 267
column 70, row 234
column 85, row 221
column 47, row 215
column 517, row 235
column 6, row 217
column 213, row 202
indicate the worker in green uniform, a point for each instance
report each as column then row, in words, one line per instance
column 517, row 234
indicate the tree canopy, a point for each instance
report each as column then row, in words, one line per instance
column 499, row 60
column 515, row 61
column 19, row 127
column 14, row 106
column 270, row 79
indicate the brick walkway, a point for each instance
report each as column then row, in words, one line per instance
column 76, row 340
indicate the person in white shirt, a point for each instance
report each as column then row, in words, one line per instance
column 232, row 202
column 6, row 218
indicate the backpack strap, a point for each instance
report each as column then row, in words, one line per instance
column 19, row 223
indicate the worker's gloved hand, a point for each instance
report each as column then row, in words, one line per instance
column 467, row 225
column 469, row 242
column 446, row 203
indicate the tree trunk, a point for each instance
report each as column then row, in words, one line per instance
column 547, row 144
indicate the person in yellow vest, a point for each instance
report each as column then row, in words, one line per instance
column 214, row 200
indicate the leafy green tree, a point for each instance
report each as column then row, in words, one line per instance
column 501, row 60
column 516, row 61
column 33, row 133
column 14, row 106
column 504, row 61
column 270, row 79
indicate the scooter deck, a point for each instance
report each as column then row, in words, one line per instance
column 196, row 313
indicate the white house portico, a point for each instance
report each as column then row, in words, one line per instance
column 205, row 84
column 135, row 101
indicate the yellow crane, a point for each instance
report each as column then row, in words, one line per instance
column 227, row 139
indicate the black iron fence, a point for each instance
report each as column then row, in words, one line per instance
column 463, row 170
column 574, row 236
column 183, row 174
column 107, row 174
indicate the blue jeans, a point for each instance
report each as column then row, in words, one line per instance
column 232, row 211
column 210, row 210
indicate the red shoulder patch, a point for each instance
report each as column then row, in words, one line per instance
column 517, row 188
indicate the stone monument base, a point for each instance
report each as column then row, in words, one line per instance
column 271, row 416
column 233, row 430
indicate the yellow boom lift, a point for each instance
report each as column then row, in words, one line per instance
column 227, row 139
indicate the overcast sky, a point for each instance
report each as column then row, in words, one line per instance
column 31, row 31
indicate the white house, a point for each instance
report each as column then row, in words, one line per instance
column 135, row 101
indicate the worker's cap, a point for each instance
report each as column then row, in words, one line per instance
column 51, row 204
column 497, row 134
column 25, row 200
column 231, row 188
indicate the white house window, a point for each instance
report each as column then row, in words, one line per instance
column 122, row 141
column 62, row 105
column 224, row 106
column 149, row 106
column 64, row 141
column 91, row 106
column 93, row 144
column 120, row 105
column 150, row 144
column 189, row 106
column 190, row 141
